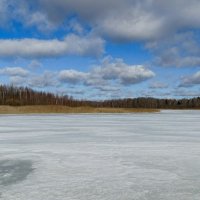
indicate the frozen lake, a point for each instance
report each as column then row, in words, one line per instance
column 100, row 157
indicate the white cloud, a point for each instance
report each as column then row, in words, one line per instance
column 18, row 81
column 35, row 48
column 76, row 27
column 108, row 72
column 185, row 93
column 25, row 12
column 120, row 20
column 3, row 12
column 47, row 79
column 34, row 64
column 131, row 24
column 158, row 85
column 14, row 71
column 191, row 80
column 128, row 20
column 72, row 76
column 124, row 73
column 180, row 50
column 21, row 77
column 39, row 19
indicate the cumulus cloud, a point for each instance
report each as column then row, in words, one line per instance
column 174, row 93
column 155, row 22
column 18, row 80
column 72, row 76
column 14, row 71
column 110, row 76
column 25, row 12
column 180, row 50
column 190, row 81
column 109, row 71
column 76, row 27
column 47, row 79
column 158, row 85
column 3, row 12
column 21, row 77
column 34, row 64
column 36, row 48
column 120, row 20
column 126, row 74
column 185, row 93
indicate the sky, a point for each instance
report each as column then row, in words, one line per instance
column 92, row 49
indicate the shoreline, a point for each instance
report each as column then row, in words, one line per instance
column 69, row 110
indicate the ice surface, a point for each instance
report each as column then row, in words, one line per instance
column 154, row 156
column 12, row 171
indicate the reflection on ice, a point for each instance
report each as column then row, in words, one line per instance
column 101, row 157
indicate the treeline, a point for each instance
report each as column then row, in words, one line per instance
column 193, row 103
column 20, row 96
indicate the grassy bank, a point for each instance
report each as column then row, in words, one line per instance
column 64, row 109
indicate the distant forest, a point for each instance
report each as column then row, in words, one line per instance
column 21, row 96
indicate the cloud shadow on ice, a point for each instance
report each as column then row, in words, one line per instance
column 14, row 171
